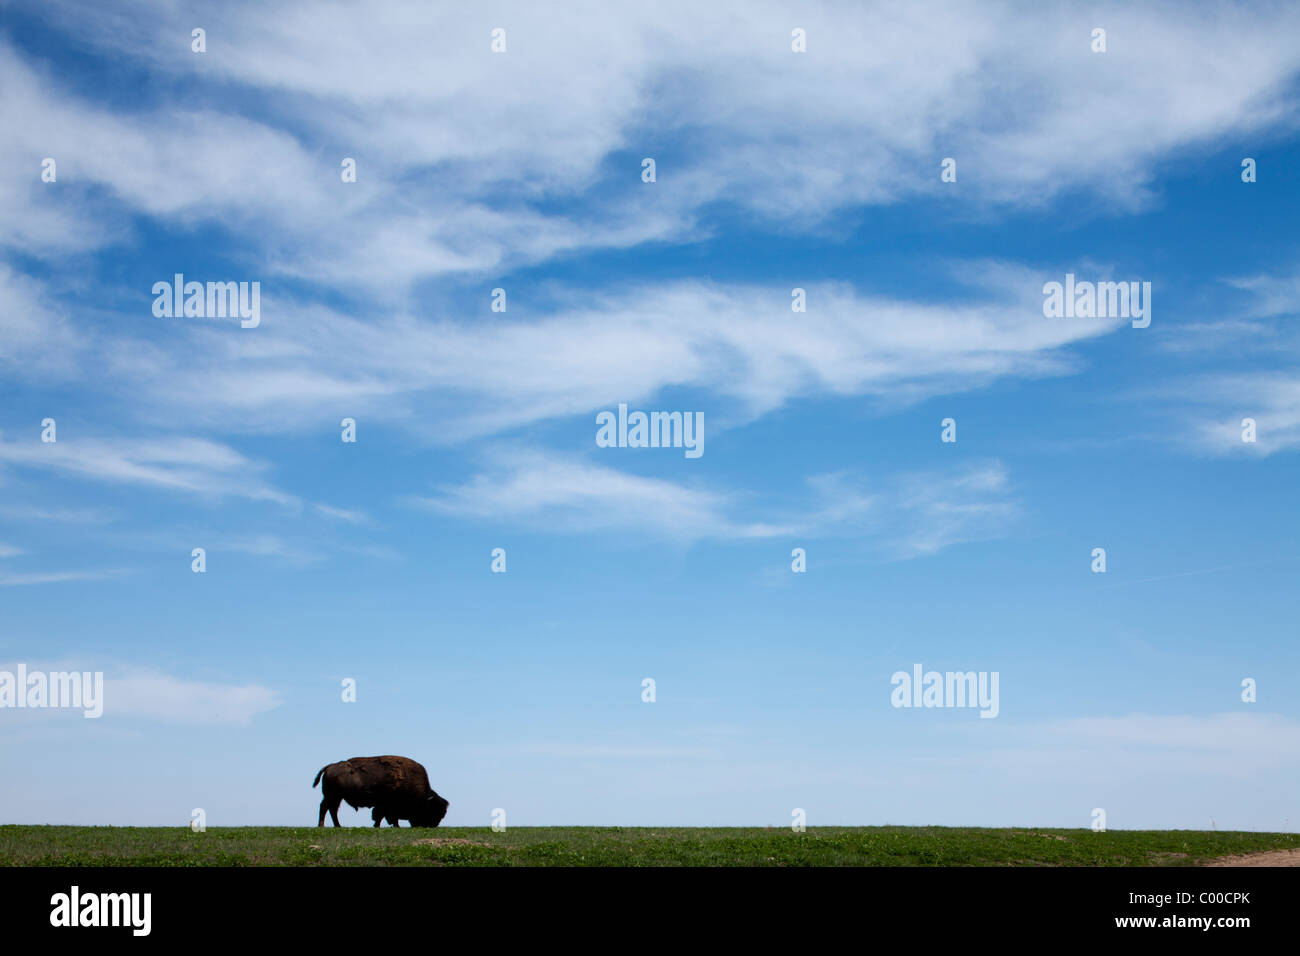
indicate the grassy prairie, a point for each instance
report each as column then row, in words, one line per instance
column 621, row 846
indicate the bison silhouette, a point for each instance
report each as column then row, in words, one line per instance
column 397, row 787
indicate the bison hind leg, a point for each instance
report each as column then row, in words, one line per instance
column 330, row 806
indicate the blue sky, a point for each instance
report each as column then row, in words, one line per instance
column 476, row 429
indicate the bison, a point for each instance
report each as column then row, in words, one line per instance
column 397, row 787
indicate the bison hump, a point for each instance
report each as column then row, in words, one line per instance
column 396, row 773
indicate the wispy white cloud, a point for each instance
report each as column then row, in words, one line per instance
column 627, row 751
column 910, row 514
column 342, row 514
column 160, row 696
column 58, row 577
column 1253, row 324
column 1198, row 745
column 155, row 695
column 42, row 513
column 1247, row 359
column 557, row 118
column 574, row 496
column 1220, row 403
column 1271, row 295
column 35, row 338
column 906, row 516
column 463, row 156
column 179, row 464
column 1271, row 734
column 262, row 545
column 456, row 379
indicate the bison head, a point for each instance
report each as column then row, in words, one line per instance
column 431, row 811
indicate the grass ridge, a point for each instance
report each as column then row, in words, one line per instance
column 623, row 846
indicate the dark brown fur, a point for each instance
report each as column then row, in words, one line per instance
column 397, row 787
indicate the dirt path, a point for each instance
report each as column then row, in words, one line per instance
column 1267, row 858
column 447, row 841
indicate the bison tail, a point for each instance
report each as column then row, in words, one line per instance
column 319, row 775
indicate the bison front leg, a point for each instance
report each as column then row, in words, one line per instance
column 376, row 815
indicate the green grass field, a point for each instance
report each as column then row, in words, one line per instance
column 621, row 846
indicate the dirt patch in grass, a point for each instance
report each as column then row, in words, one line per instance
column 1267, row 858
column 447, row 841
